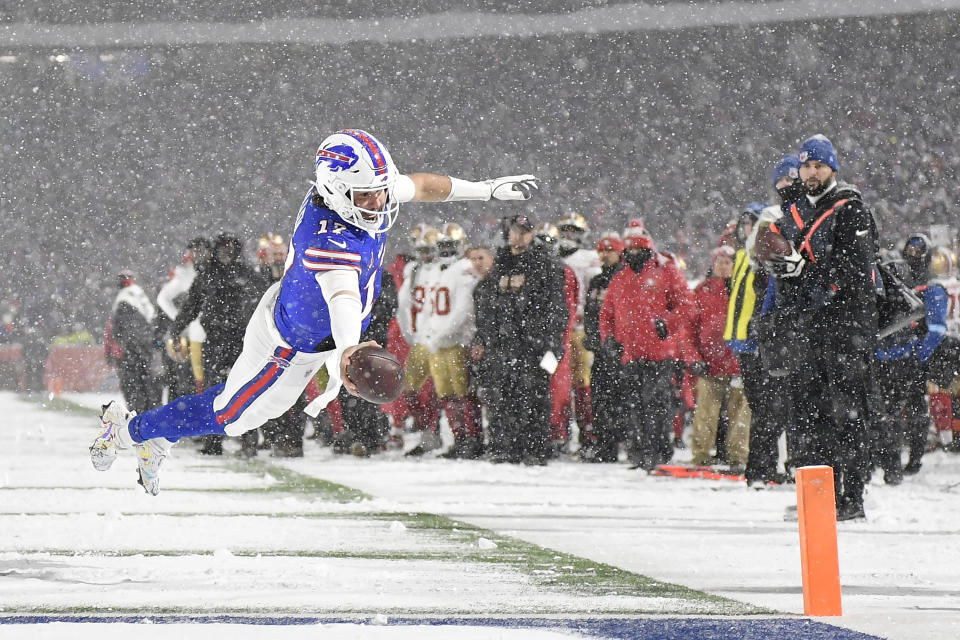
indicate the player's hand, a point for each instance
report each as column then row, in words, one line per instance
column 613, row 348
column 787, row 266
column 661, row 327
column 177, row 350
column 513, row 187
column 345, row 361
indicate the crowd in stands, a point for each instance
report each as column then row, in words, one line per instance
column 118, row 157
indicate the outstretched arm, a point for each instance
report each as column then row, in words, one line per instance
column 432, row 187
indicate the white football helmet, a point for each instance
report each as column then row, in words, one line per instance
column 573, row 228
column 452, row 240
column 352, row 161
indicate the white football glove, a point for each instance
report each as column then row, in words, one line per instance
column 787, row 266
column 513, row 187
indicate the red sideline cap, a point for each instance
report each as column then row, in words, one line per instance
column 610, row 242
column 636, row 237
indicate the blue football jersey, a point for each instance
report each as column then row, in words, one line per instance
column 322, row 242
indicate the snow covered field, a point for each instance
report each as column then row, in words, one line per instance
column 407, row 548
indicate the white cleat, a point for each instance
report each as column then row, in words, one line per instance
column 150, row 454
column 114, row 437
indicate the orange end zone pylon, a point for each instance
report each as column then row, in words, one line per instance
column 819, row 559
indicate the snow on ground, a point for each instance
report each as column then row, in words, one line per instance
column 229, row 537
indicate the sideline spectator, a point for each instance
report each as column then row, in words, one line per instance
column 826, row 292
column 132, row 325
column 519, row 332
column 603, row 441
column 719, row 385
column 643, row 315
column 223, row 297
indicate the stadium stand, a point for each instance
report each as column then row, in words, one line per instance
column 117, row 156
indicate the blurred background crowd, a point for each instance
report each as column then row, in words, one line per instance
column 116, row 157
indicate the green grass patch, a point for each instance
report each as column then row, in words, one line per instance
column 562, row 571
column 292, row 482
column 61, row 405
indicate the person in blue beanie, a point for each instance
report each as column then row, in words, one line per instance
column 826, row 295
column 766, row 382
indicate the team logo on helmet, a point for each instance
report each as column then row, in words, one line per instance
column 373, row 149
column 339, row 157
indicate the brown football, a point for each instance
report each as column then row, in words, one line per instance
column 770, row 244
column 377, row 373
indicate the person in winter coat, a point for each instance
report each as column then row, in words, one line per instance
column 826, row 291
column 132, row 330
column 601, row 443
column 223, row 296
column 904, row 358
column 642, row 324
column 180, row 377
column 519, row 336
column 719, row 384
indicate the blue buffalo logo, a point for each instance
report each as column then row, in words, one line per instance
column 339, row 157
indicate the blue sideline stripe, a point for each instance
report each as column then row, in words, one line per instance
column 610, row 628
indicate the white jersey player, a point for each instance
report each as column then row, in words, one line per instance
column 448, row 308
column 585, row 265
column 449, row 328
column 412, row 293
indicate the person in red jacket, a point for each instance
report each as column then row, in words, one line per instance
column 717, row 369
column 644, row 313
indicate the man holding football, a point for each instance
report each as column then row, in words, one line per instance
column 826, row 295
column 314, row 315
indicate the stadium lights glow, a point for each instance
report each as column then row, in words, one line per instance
column 8, row 58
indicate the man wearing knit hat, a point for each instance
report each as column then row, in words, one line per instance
column 642, row 322
column 520, row 327
column 786, row 178
column 827, row 297
column 603, row 443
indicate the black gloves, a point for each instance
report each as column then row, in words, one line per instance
column 613, row 348
column 699, row 369
column 662, row 332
